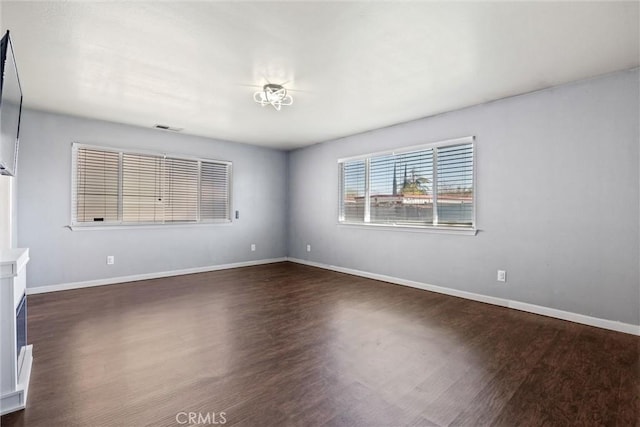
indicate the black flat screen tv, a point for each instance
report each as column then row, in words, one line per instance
column 10, row 108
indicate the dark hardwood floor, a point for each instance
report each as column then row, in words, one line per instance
column 285, row 344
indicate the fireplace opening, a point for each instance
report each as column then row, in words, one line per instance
column 21, row 330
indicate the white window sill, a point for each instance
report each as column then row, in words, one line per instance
column 412, row 228
column 143, row 226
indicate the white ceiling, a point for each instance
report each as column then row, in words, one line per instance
column 356, row 66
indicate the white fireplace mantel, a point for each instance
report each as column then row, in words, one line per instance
column 15, row 369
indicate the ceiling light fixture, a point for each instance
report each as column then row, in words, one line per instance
column 274, row 95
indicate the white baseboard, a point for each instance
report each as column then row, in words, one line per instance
column 531, row 308
column 517, row 305
column 147, row 276
column 613, row 325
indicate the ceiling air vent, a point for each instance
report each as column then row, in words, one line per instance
column 165, row 127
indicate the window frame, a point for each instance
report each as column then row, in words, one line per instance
column 448, row 228
column 120, row 224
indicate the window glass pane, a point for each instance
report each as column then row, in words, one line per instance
column 142, row 185
column 96, row 192
column 118, row 187
column 181, row 190
column 353, row 190
column 455, row 185
column 214, row 193
column 401, row 191
column 430, row 186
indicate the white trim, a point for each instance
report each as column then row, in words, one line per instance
column 134, row 225
column 424, row 286
column 147, row 276
column 367, row 190
column 576, row 317
column 403, row 150
column 474, row 148
column 517, row 305
column 147, row 153
column 434, row 186
column 414, row 228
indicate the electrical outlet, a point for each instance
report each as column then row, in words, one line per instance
column 502, row 276
column 111, row 260
column 253, row 247
column 308, row 248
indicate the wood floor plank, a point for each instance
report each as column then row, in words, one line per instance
column 291, row 345
column 510, row 364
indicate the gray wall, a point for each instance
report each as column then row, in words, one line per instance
column 59, row 255
column 557, row 201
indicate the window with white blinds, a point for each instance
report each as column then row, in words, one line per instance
column 112, row 187
column 426, row 186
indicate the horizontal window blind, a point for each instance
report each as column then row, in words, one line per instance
column 181, row 190
column 142, row 190
column 353, row 184
column 95, row 194
column 401, row 191
column 455, row 185
column 215, row 191
column 432, row 185
column 112, row 187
